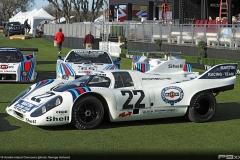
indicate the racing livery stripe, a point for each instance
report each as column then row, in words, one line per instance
column 111, row 67
column 78, row 91
column 135, row 58
column 142, row 67
column 26, row 67
column 187, row 68
column 39, row 85
column 30, row 71
column 65, row 69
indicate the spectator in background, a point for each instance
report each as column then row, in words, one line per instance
column 54, row 21
column 39, row 30
column 59, row 37
column 26, row 26
column 88, row 40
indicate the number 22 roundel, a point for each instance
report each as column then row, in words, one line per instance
column 132, row 99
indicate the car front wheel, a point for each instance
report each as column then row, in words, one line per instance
column 202, row 107
column 87, row 113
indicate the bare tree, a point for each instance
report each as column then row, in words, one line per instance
column 77, row 9
column 64, row 7
column 9, row 7
column 95, row 8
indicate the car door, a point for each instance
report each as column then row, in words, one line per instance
column 127, row 97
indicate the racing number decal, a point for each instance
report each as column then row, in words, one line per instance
column 138, row 104
column 126, row 105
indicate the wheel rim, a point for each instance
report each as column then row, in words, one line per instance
column 204, row 107
column 89, row 112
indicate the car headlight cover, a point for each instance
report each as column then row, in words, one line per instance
column 52, row 103
column 20, row 95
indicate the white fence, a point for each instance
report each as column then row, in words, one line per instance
column 113, row 48
column 213, row 34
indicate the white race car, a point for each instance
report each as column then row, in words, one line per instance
column 124, row 95
column 17, row 67
column 145, row 64
column 79, row 62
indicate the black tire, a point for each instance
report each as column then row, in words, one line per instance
column 87, row 113
column 5, row 35
column 202, row 107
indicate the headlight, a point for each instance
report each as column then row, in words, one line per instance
column 24, row 74
column 52, row 103
column 65, row 77
column 10, row 28
column 20, row 95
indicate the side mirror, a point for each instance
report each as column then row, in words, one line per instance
column 119, row 59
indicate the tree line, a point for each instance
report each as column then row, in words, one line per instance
column 82, row 10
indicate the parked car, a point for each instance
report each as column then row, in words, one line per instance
column 13, row 28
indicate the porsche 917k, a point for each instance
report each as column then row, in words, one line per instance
column 79, row 62
column 124, row 95
column 17, row 67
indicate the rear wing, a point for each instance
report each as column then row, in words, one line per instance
column 22, row 48
column 220, row 71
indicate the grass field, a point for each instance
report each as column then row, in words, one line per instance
column 172, row 138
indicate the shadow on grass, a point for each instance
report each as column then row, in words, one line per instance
column 5, row 125
column 42, row 75
column 47, row 62
column 225, row 112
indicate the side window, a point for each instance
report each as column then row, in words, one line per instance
column 99, row 81
column 122, row 79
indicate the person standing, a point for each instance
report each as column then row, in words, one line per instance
column 59, row 37
column 88, row 40
column 25, row 25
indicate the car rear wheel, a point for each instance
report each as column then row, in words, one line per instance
column 202, row 107
column 87, row 113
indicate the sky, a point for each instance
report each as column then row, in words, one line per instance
column 40, row 4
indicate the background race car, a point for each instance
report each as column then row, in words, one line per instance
column 17, row 67
column 152, row 61
column 79, row 62
column 123, row 95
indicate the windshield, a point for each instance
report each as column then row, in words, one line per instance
column 87, row 80
column 14, row 23
column 10, row 56
column 76, row 83
column 88, row 57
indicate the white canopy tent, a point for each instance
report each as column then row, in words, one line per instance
column 38, row 17
column 19, row 17
column 34, row 17
column 62, row 19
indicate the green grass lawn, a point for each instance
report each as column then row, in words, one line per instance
column 172, row 138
